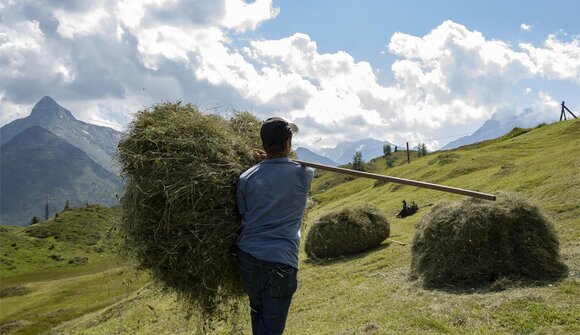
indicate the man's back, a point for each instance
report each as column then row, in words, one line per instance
column 271, row 199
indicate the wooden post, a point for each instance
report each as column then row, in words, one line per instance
column 408, row 155
column 562, row 113
column 46, row 209
column 569, row 111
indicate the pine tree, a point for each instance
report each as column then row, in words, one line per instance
column 386, row 150
column 357, row 161
column 34, row 220
column 422, row 150
column 66, row 206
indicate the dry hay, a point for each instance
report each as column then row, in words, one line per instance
column 179, row 209
column 476, row 242
column 349, row 231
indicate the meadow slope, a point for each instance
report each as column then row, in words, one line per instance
column 370, row 293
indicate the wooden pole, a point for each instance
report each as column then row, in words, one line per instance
column 422, row 184
column 563, row 112
column 569, row 111
column 408, row 156
column 46, row 209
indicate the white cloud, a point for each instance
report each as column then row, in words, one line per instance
column 10, row 110
column 130, row 54
column 27, row 56
column 71, row 25
column 558, row 60
column 525, row 27
column 544, row 109
column 130, row 13
column 241, row 16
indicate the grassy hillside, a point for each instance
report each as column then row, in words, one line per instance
column 61, row 269
column 78, row 236
column 370, row 293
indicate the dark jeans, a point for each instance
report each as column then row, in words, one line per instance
column 270, row 287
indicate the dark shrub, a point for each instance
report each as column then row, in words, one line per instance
column 77, row 260
column 56, row 257
column 14, row 291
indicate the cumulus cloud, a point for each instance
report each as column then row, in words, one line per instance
column 242, row 16
column 72, row 24
column 108, row 59
column 557, row 60
column 29, row 63
column 525, row 27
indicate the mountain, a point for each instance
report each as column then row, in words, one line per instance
column 343, row 152
column 36, row 162
column 500, row 124
column 99, row 143
column 309, row 156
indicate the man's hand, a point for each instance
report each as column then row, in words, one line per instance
column 258, row 155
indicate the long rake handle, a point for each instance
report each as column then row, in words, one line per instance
column 432, row 186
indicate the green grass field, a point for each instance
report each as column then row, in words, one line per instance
column 61, row 269
column 368, row 293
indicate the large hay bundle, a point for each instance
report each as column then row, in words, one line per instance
column 179, row 209
column 349, row 231
column 475, row 242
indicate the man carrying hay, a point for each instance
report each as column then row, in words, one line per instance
column 271, row 198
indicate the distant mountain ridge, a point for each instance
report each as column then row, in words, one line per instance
column 343, row 152
column 35, row 163
column 99, row 143
column 309, row 156
column 501, row 124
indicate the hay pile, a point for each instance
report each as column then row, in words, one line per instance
column 179, row 207
column 476, row 242
column 349, row 231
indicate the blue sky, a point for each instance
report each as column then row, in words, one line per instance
column 418, row 71
column 363, row 28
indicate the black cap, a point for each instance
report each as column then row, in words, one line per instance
column 276, row 130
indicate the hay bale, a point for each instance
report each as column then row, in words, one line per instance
column 476, row 242
column 349, row 231
column 179, row 208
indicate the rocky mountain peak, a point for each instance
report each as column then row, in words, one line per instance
column 48, row 108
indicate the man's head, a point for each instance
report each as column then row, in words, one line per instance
column 276, row 134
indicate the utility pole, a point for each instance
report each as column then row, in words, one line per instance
column 563, row 113
column 46, row 209
column 408, row 156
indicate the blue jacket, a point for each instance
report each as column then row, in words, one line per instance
column 271, row 198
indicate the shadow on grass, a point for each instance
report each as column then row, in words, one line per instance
column 346, row 258
column 498, row 285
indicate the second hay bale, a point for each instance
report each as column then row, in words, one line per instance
column 349, row 231
column 476, row 242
